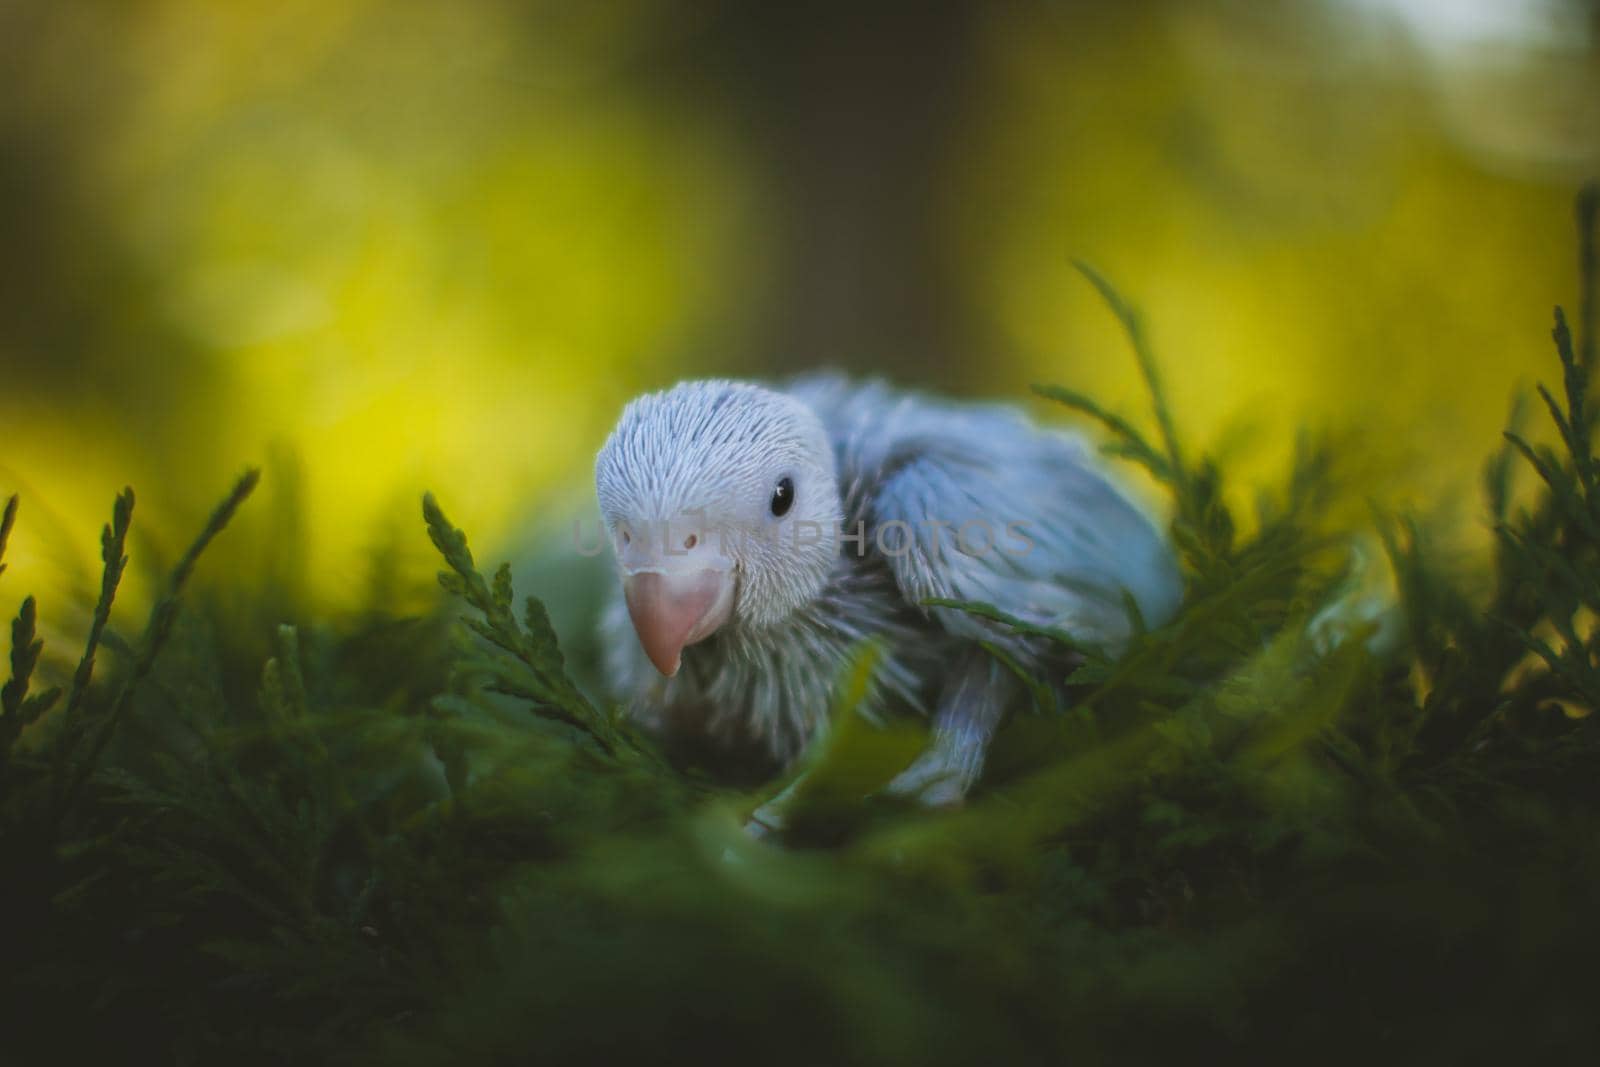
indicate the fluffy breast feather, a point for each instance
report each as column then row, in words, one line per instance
column 773, row 685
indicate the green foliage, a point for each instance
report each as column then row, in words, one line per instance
column 528, row 665
column 7, row 519
column 17, row 708
column 1286, row 823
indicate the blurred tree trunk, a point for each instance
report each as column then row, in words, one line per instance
column 857, row 111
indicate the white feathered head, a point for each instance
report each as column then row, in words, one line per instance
column 723, row 508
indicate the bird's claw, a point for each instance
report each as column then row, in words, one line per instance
column 771, row 818
column 930, row 781
column 763, row 824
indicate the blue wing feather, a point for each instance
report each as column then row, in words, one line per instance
column 996, row 510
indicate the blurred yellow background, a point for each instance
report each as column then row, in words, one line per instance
column 395, row 246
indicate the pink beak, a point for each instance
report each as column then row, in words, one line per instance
column 671, row 611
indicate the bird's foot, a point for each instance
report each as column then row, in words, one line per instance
column 771, row 818
column 933, row 780
column 764, row 824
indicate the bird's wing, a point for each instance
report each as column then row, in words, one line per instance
column 977, row 504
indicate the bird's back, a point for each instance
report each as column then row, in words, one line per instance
column 1027, row 521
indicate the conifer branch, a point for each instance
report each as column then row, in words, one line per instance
column 113, row 538
column 533, row 668
column 7, row 520
column 162, row 618
column 1133, row 326
column 17, row 709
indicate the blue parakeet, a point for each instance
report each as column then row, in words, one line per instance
column 762, row 532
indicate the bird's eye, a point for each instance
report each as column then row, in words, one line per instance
column 783, row 497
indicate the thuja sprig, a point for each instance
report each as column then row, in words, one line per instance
column 18, row 710
column 1177, row 472
column 162, row 618
column 1551, row 551
column 1202, row 526
column 1575, row 425
column 113, row 539
column 1165, row 463
column 7, row 520
column 532, row 667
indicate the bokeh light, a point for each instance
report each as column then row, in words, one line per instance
column 437, row 245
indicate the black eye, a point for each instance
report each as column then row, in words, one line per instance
column 783, row 497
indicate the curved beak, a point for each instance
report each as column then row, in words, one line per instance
column 672, row 610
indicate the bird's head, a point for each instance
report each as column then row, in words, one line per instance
column 723, row 508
